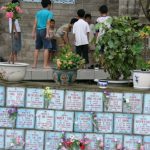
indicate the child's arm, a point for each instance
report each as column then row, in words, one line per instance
column 66, row 38
column 47, row 28
column 34, row 29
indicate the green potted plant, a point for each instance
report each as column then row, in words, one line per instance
column 141, row 76
column 122, row 47
column 67, row 65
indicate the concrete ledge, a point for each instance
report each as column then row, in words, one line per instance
column 82, row 74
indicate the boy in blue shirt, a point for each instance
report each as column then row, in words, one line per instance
column 41, row 32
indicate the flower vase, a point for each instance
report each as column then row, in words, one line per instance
column 46, row 102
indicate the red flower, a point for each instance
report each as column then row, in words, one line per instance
column 82, row 146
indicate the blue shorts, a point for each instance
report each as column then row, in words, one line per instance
column 17, row 43
column 41, row 40
column 54, row 45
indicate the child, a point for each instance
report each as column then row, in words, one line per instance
column 52, row 34
column 92, row 38
column 16, row 47
column 40, row 30
column 81, row 31
column 88, row 19
column 63, row 31
column 104, row 19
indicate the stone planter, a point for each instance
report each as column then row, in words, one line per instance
column 141, row 79
column 12, row 72
column 64, row 77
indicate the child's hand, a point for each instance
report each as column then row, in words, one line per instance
column 16, row 35
column 33, row 35
column 47, row 36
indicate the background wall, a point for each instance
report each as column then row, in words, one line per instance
column 63, row 13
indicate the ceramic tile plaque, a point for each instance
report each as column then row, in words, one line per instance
column 15, row 96
column 74, row 135
column 57, row 100
column 64, row 1
column 64, row 121
column 93, row 101
column 147, row 103
column 14, row 135
column 52, row 140
column 25, row 118
column 105, row 123
column 2, row 133
column 142, row 124
column 74, row 100
column 2, row 95
column 123, row 123
column 146, row 143
column 34, row 140
column 45, row 119
column 135, row 103
column 94, row 138
column 83, row 122
column 115, row 102
column 5, row 121
column 131, row 142
column 35, row 98
column 111, row 140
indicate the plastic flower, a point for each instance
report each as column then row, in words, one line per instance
column 3, row 8
column 47, row 95
column 19, row 10
column 9, row 15
column 68, row 60
column 101, row 145
column 12, row 112
column 119, row 147
column 142, row 147
column 12, row 10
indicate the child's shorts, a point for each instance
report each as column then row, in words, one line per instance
column 17, row 43
column 54, row 45
column 41, row 40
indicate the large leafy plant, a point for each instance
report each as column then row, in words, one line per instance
column 68, row 60
column 123, row 46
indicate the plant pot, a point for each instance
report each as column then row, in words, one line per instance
column 12, row 72
column 64, row 77
column 141, row 79
column 104, row 83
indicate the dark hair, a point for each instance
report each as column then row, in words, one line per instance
column 45, row 3
column 88, row 16
column 73, row 20
column 52, row 20
column 15, row 1
column 103, row 9
column 81, row 13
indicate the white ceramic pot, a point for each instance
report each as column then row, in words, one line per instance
column 141, row 79
column 12, row 72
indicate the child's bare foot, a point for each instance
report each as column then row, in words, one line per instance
column 34, row 66
column 46, row 67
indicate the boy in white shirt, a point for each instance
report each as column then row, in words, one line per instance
column 81, row 31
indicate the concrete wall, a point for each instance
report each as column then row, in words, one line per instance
column 78, row 113
column 63, row 13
